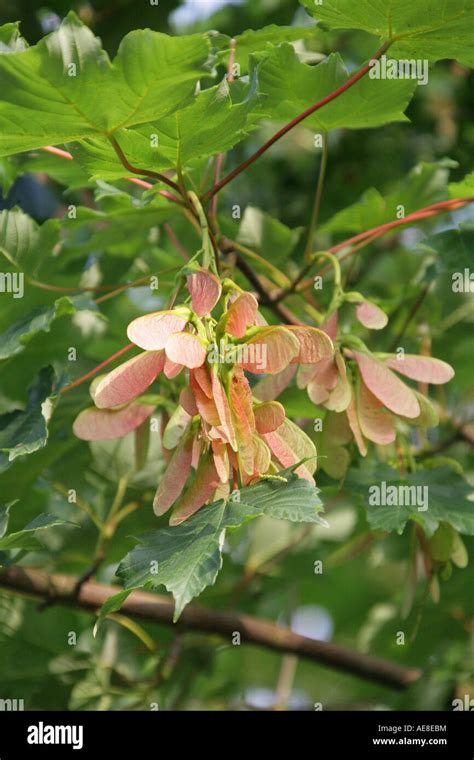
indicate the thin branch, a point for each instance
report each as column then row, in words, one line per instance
column 424, row 213
column 177, row 244
column 286, row 679
column 357, row 242
column 135, row 283
column 215, row 248
column 209, row 247
column 217, row 174
column 81, row 503
column 456, row 316
column 58, row 152
column 63, row 288
column 106, row 533
column 278, row 309
column 109, row 290
column 134, row 180
column 317, row 199
column 145, row 172
column 279, row 277
column 159, row 609
column 411, row 315
column 97, row 369
column 146, row 185
column 226, row 246
column 221, row 156
column 297, row 120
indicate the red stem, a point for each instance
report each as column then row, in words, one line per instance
column 137, row 170
column 364, row 238
column 97, row 369
column 141, row 183
column 58, row 152
column 432, row 210
column 297, row 120
column 135, row 180
column 177, row 244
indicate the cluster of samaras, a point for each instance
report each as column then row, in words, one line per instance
column 224, row 433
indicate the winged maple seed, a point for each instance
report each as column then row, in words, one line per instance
column 219, row 434
column 361, row 391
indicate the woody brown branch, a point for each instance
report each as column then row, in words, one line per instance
column 60, row 589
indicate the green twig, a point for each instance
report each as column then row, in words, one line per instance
column 317, row 200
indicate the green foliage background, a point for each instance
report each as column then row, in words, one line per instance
column 360, row 595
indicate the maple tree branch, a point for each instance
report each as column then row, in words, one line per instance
column 364, row 238
column 136, row 170
column 317, row 199
column 117, row 289
column 134, row 180
column 174, row 240
column 61, row 589
column 411, row 316
column 65, row 289
column 88, row 375
column 279, row 277
column 221, row 156
column 249, row 273
column 431, row 210
column 294, row 122
column 109, row 290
